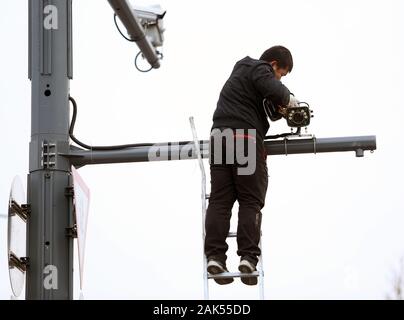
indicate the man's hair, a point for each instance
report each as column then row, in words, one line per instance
column 281, row 55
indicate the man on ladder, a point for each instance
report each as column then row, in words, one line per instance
column 240, row 106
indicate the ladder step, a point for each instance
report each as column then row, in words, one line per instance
column 207, row 196
column 232, row 235
column 224, row 275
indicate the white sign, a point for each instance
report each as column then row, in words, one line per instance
column 81, row 208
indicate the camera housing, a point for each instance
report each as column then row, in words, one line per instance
column 297, row 117
column 151, row 19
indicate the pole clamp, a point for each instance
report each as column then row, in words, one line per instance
column 72, row 232
column 48, row 157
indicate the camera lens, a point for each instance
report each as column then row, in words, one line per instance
column 298, row 117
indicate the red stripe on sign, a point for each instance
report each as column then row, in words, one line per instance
column 248, row 136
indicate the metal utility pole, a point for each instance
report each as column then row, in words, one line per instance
column 50, row 225
column 49, row 246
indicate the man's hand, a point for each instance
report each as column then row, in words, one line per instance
column 282, row 110
column 293, row 102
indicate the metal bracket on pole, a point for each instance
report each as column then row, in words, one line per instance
column 72, row 232
column 69, row 192
column 314, row 144
column 359, row 153
column 301, row 137
column 22, row 211
column 19, row 263
column 286, row 146
column 48, row 157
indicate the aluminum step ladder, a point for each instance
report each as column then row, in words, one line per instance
column 205, row 197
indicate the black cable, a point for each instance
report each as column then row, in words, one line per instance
column 134, row 145
column 159, row 55
column 116, row 24
column 133, row 40
column 283, row 135
column 137, row 67
column 116, row 147
column 277, row 136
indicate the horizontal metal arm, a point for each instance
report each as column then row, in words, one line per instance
column 176, row 151
column 357, row 144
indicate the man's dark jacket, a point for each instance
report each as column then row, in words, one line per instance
column 240, row 104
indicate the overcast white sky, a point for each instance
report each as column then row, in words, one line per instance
column 332, row 226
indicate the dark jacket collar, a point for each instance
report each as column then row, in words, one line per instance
column 263, row 61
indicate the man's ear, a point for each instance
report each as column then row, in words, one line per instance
column 274, row 64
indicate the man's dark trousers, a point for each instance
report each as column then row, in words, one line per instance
column 227, row 186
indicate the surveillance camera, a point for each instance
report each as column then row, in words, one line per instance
column 299, row 116
column 152, row 12
column 151, row 19
column 296, row 117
